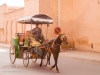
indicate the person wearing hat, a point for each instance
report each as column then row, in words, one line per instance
column 38, row 35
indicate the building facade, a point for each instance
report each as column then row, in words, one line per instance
column 78, row 19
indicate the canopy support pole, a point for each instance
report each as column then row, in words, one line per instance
column 47, row 31
column 31, row 25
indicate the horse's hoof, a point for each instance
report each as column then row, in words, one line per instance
column 50, row 68
column 40, row 65
column 58, row 72
column 44, row 62
column 45, row 65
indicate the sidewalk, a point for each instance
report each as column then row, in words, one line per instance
column 73, row 54
column 5, row 45
column 81, row 55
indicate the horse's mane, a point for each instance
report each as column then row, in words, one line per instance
column 58, row 39
column 51, row 41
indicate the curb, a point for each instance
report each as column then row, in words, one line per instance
column 81, row 59
column 4, row 45
column 85, row 59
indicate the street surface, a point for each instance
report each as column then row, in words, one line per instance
column 66, row 66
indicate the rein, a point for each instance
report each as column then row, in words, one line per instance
column 55, row 43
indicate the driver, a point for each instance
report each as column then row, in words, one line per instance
column 37, row 32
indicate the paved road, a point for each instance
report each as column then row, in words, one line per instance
column 66, row 66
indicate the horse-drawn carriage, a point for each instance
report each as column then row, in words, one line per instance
column 21, row 47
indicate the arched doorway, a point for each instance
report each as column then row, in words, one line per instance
column 19, row 27
column 6, row 30
column 11, row 30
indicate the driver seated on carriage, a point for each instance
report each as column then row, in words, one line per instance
column 36, row 39
column 37, row 34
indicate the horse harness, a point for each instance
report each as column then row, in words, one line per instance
column 54, row 44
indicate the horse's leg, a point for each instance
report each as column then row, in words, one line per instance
column 56, row 60
column 44, row 52
column 41, row 62
column 42, row 57
column 49, row 58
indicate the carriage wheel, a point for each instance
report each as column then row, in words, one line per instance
column 34, row 57
column 25, row 58
column 12, row 54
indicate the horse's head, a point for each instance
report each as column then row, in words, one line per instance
column 61, row 39
column 64, row 38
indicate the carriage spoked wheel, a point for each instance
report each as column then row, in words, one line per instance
column 26, row 58
column 12, row 54
column 33, row 55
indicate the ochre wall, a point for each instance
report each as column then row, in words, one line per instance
column 49, row 7
column 11, row 26
column 86, row 25
column 66, row 10
column 79, row 19
column 31, row 7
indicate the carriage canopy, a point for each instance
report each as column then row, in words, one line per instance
column 36, row 19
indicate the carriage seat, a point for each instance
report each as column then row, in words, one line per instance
column 33, row 42
column 21, row 38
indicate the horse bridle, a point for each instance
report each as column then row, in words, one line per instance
column 63, row 37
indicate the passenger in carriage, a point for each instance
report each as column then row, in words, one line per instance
column 38, row 35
